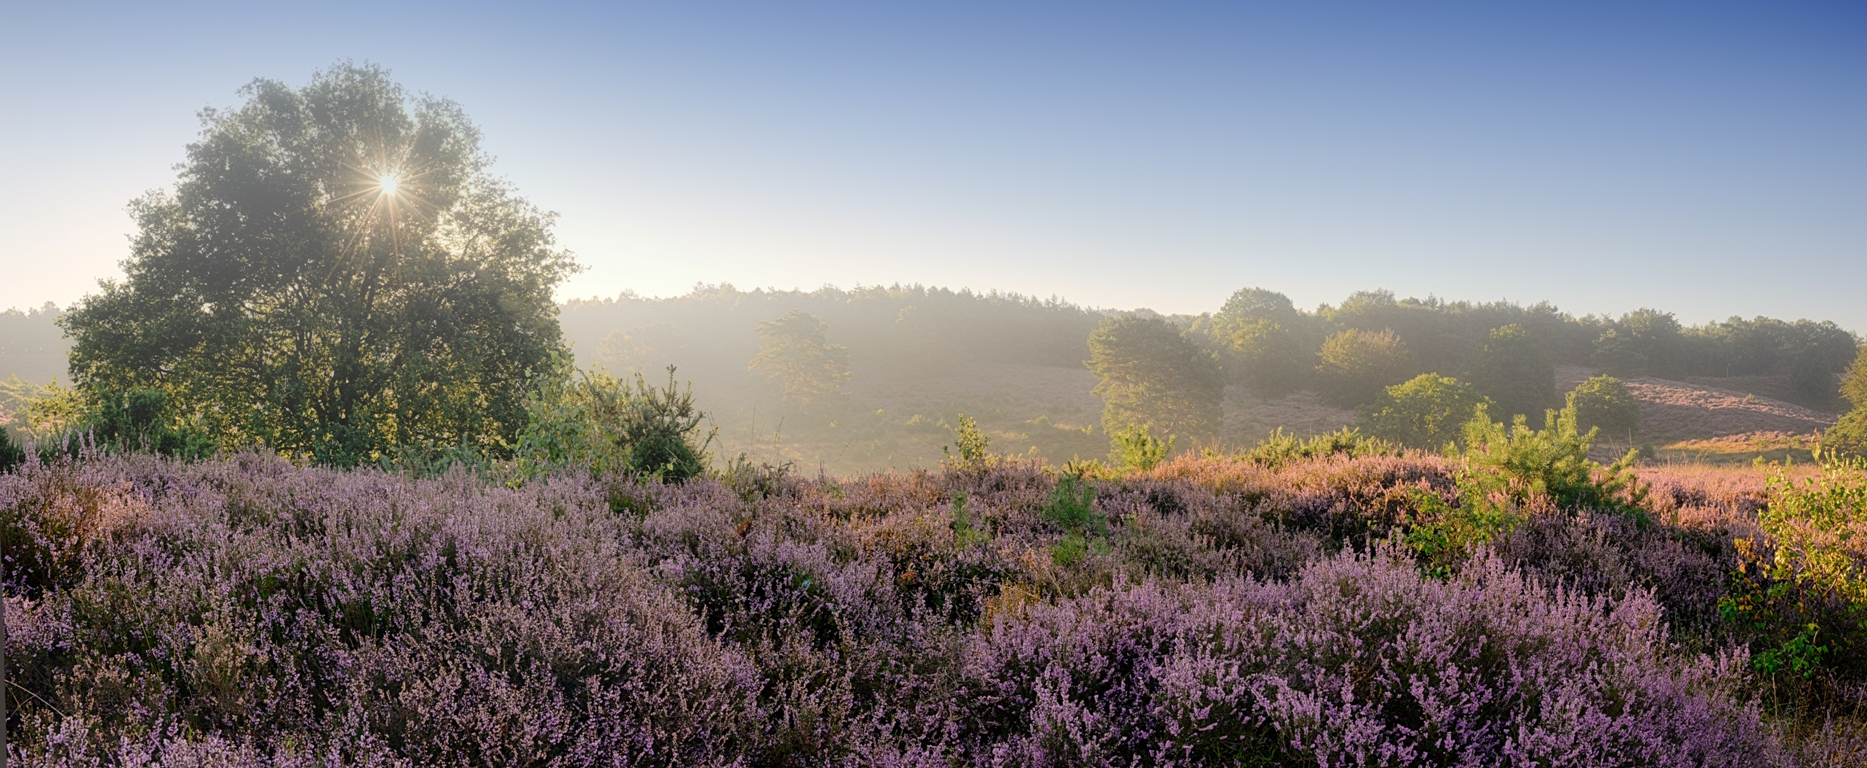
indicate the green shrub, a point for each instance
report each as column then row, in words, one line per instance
column 1603, row 403
column 1516, row 464
column 1800, row 594
column 1139, row 450
column 1504, row 473
column 599, row 422
column 1072, row 506
column 1281, row 447
column 1427, row 411
column 1848, row 437
column 971, row 447
column 11, row 453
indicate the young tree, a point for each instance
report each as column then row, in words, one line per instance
column 1849, row 436
column 1512, row 371
column 1154, row 376
column 1427, row 411
column 335, row 273
column 1356, row 365
column 794, row 352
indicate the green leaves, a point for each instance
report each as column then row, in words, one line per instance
column 281, row 294
column 1154, row 376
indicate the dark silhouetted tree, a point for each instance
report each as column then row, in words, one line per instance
column 335, row 273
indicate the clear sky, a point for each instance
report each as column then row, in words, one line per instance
column 1701, row 158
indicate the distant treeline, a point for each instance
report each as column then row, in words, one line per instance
column 906, row 330
column 909, row 329
column 898, row 330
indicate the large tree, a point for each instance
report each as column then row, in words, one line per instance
column 1153, row 376
column 335, row 273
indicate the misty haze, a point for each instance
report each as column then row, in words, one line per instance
column 838, row 385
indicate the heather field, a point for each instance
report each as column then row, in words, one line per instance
column 1264, row 609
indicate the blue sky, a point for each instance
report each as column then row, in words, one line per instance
column 1700, row 158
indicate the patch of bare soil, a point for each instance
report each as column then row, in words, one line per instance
column 1673, row 411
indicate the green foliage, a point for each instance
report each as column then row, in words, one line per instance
column 1848, row 437
column 1618, row 355
column 1854, row 382
column 1356, row 365
column 1139, row 450
column 598, row 422
column 1281, row 447
column 1427, row 411
column 965, row 534
column 1603, row 403
column 1513, row 372
column 1153, row 375
column 794, row 352
column 1800, row 594
column 41, row 411
column 11, row 452
column 281, row 294
column 1260, row 332
column 971, row 447
column 142, row 421
column 1072, row 507
column 1512, row 466
column 1505, row 473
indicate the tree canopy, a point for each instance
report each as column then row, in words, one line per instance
column 795, row 353
column 1154, row 376
column 334, row 273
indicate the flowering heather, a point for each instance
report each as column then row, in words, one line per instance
column 248, row 611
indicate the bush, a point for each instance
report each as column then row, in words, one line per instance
column 1139, row 450
column 1427, row 411
column 1356, row 365
column 1603, row 403
column 598, row 422
column 1281, row 447
column 1801, row 592
column 1515, row 465
column 11, row 453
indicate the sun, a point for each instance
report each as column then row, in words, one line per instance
column 387, row 182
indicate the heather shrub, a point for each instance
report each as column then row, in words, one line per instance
column 1358, row 660
column 1212, row 611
